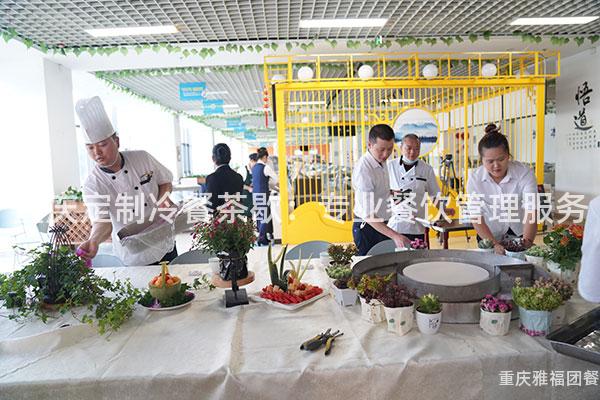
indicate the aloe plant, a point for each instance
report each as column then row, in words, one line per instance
column 279, row 277
column 297, row 271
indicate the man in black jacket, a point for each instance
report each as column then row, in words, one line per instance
column 224, row 181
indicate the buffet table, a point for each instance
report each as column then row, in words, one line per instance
column 206, row 351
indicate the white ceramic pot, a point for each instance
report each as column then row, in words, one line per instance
column 372, row 312
column 559, row 316
column 429, row 323
column 484, row 250
column 520, row 255
column 344, row 297
column 400, row 319
column 535, row 260
column 566, row 275
column 495, row 323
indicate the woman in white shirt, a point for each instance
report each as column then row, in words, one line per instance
column 502, row 193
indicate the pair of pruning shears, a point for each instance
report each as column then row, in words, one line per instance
column 326, row 338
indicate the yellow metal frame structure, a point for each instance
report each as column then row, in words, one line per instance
column 331, row 114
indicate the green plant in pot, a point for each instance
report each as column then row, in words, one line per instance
column 536, row 304
column 564, row 250
column 429, row 314
column 565, row 289
column 230, row 237
column 369, row 288
column 56, row 281
column 341, row 255
column 485, row 244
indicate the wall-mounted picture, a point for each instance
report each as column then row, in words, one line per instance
column 421, row 123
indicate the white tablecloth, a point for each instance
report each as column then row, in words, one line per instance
column 206, row 351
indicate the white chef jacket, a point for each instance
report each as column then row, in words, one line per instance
column 420, row 179
column 128, row 196
column 519, row 180
column 371, row 184
column 589, row 276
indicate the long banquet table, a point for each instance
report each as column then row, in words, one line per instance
column 206, row 351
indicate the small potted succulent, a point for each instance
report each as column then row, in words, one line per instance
column 495, row 315
column 342, row 294
column 536, row 254
column 341, row 255
column 514, row 248
column 399, row 307
column 485, row 245
column 565, row 290
column 369, row 288
column 535, row 307
column 429, row 314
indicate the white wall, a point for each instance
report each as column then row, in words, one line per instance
column 578, row 170
column 26, row 178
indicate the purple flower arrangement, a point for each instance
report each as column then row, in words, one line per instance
column 495, row 305
column 418, row 244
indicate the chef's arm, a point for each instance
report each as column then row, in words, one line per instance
column 400, row 240
column 164, row 191
column 485, row 233
column 100, row 232
column 529, row 228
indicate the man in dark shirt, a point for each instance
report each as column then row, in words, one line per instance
column 224, row 182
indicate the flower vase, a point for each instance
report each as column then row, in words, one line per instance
column 400, row 320
column 495, row 323
column 227, row 263
column 535, row 323
column 372, row 311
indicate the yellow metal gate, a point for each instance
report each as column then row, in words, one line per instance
column 323, row 122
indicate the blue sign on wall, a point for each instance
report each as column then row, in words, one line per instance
column 191, row 91
column 213, row 106
column 234, row 122
column 249, row 135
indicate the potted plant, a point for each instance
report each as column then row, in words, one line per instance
column 485, row 245
column 564, row 251
column 514, row 248
column 536, row 254
column 535, row 307
column 341, row 255
column 495, row 315
column 230, row 237
column 369, row 288
column 399, row 307
column 342, row 294
column 566, row 292
column 55, row 280
column 70, row 195
column 429, row 314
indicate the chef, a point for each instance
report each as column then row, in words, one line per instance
column 410, row 180
column 122, row 189
column 499, row 177
column 371, row 185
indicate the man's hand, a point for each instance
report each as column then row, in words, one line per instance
column 401, row 241
column 88, row 249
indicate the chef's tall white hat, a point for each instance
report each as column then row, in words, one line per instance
column 94, row 121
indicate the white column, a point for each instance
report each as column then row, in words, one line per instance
column 61, row 126
column 177, row 133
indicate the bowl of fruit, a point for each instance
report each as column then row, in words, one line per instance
column 164, row 285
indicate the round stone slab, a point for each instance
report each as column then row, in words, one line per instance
column 446, row 273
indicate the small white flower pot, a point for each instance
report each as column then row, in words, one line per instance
column 566, row 275
column 372, row 312
column 344, row 297
column 495, row 323
column 325, row 259
column 535, row 260
column 400, row 319
column 559, row 316
column 519, row 255
column 429, row 324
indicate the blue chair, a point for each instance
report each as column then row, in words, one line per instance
column 387, row 246
column 192, row 257
column 307, row 249
column 106, row 261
